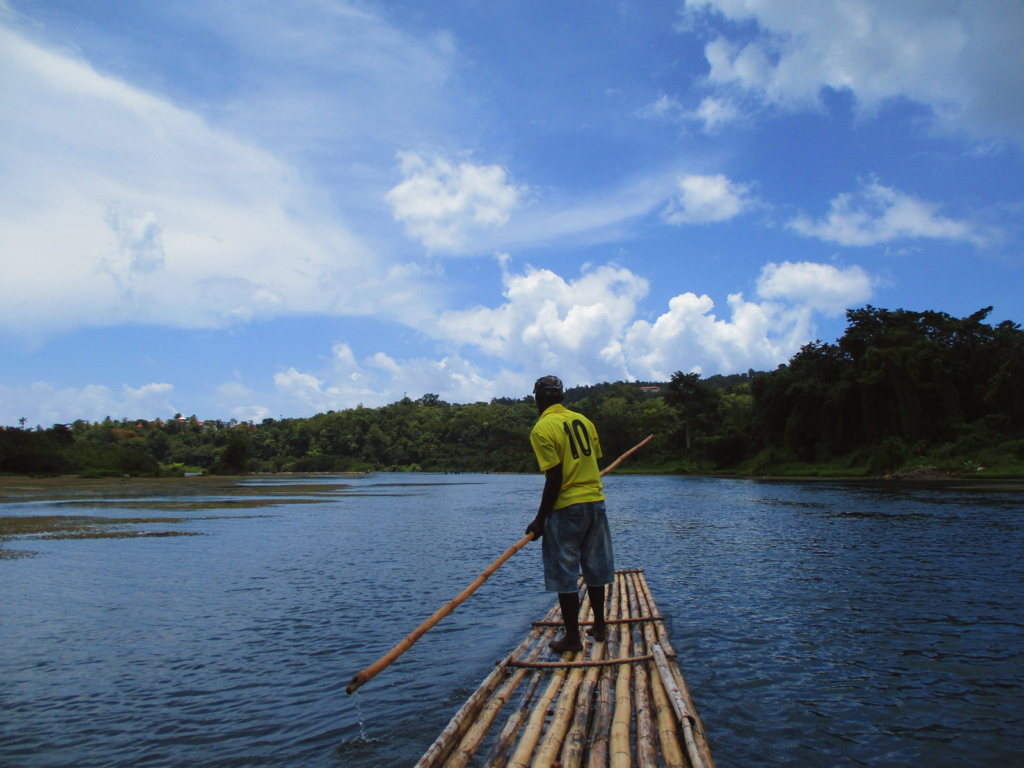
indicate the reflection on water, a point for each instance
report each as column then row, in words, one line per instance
column 818, row 624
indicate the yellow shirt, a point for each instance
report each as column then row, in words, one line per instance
column 564, row 437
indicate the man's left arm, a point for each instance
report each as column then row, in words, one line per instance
column 552, row 487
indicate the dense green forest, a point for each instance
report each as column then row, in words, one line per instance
column 900, row 390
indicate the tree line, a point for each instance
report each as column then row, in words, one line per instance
column 899, row 389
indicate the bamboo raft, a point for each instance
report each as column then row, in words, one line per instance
column 614, row 704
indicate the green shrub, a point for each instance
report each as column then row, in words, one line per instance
column 93, row 473
column 888, row 456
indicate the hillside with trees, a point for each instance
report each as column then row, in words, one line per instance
column 900, row 390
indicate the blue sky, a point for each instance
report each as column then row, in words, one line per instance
column 261, row 209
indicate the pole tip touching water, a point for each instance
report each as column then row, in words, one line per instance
column 362, row 678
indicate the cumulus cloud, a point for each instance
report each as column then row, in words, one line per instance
column 964, row 60
column 575, row 326
column 690, row 337
column 880, row 214
column 439, row 201
column 42, row 403
column 588, row 330
column 707, row 199
column 821, row 287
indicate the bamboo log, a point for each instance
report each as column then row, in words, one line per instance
column 678, row 704
column 531, row 733
column 619, row 744
column 587, row 623
column 362, row 678
column 668, row 732
column 677, row 674
column 572, row 750
column 578, row 664
column 471, row 741
column 646, row 755
column 550, row 747
column 462, row 719
column 597, row 750
column 498, row 755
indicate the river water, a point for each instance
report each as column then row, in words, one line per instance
column 818, row 624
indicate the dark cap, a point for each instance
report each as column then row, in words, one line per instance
column 547, row 386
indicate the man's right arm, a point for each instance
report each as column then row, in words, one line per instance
column 552, row 487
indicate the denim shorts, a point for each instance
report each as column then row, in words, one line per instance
column 574, row 537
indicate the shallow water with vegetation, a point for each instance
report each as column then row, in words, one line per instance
column 818, row 624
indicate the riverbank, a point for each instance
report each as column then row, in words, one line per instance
column 17, row 487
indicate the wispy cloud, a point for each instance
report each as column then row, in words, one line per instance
column 711, row 114
column 44, row 404
column 879, row 214
column 162, row 217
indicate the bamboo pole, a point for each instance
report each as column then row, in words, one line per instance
column 535, row 724
column 482, row 724
column 499, row 752
column 498, row 756
column 619, row 751
column 549, row 748
column 462, row 719
column 677, row 674
column 586, row 623
column 678, row 704
column 572, row 750
column 646, row 755
column 668, row 733
column 597, row 752
column 626, row 455
column 616, row 662
column 531, row 733
column 362, row 678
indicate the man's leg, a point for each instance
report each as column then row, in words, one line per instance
column 570, row 641
column 598, row 631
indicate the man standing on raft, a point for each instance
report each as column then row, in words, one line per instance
column 571, row 518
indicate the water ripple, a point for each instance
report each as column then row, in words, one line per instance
column 818, row 624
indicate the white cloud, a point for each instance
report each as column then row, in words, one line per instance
column 439, row 201
column 690, row 338
column 587, row 330
column 162, row 218
column 712, row 112
column 250, row 413
column 42, row 403
column 665, row 107
column 964, row 60
column 821, row 287
column 380, row 380
column 707, row 199
column 880, row 214
column 716, row 112
column 548, row 322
